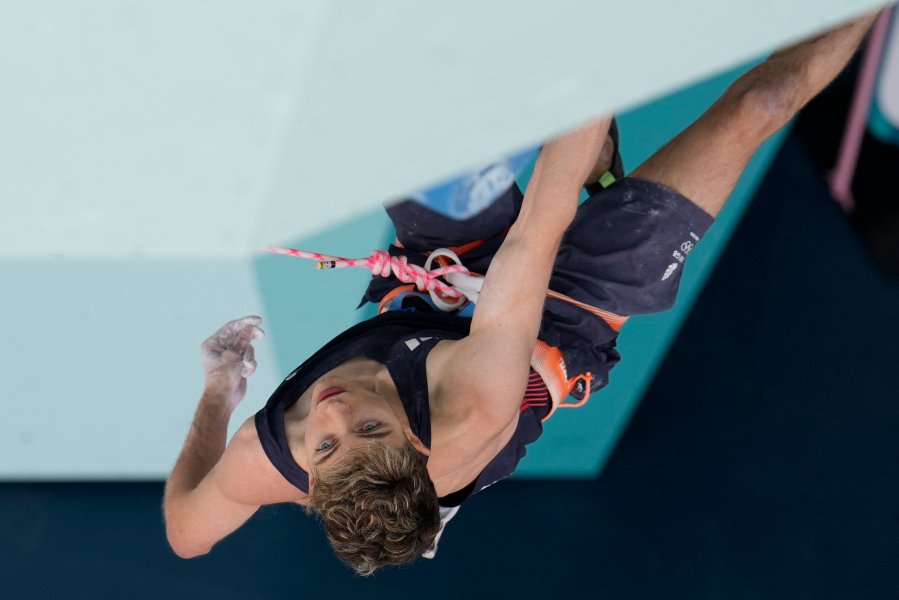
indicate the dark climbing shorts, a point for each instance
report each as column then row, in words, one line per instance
column 623, row 253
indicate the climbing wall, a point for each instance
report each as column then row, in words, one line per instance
column 151, row 148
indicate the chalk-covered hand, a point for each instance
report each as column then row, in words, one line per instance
column 228, row 358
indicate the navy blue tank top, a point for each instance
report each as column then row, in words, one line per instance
column 401, row 341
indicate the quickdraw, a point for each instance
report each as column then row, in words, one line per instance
column 461, row 286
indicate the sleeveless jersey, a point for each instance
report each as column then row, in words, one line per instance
column 401, row 341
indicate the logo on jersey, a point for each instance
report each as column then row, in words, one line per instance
column 416, row 342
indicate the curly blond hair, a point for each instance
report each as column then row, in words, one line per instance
column 378, row 507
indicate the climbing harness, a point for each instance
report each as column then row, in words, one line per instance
column 458, row 293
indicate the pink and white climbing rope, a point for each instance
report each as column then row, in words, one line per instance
column 383, row 264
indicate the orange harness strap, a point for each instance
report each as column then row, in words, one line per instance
column 549, row 363
column 614, row 321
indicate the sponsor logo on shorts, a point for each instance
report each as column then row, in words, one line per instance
column 680, row 255
column 669, row 271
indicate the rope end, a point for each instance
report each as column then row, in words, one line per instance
column 282, row 251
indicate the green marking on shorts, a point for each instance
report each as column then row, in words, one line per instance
column 607, row 179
